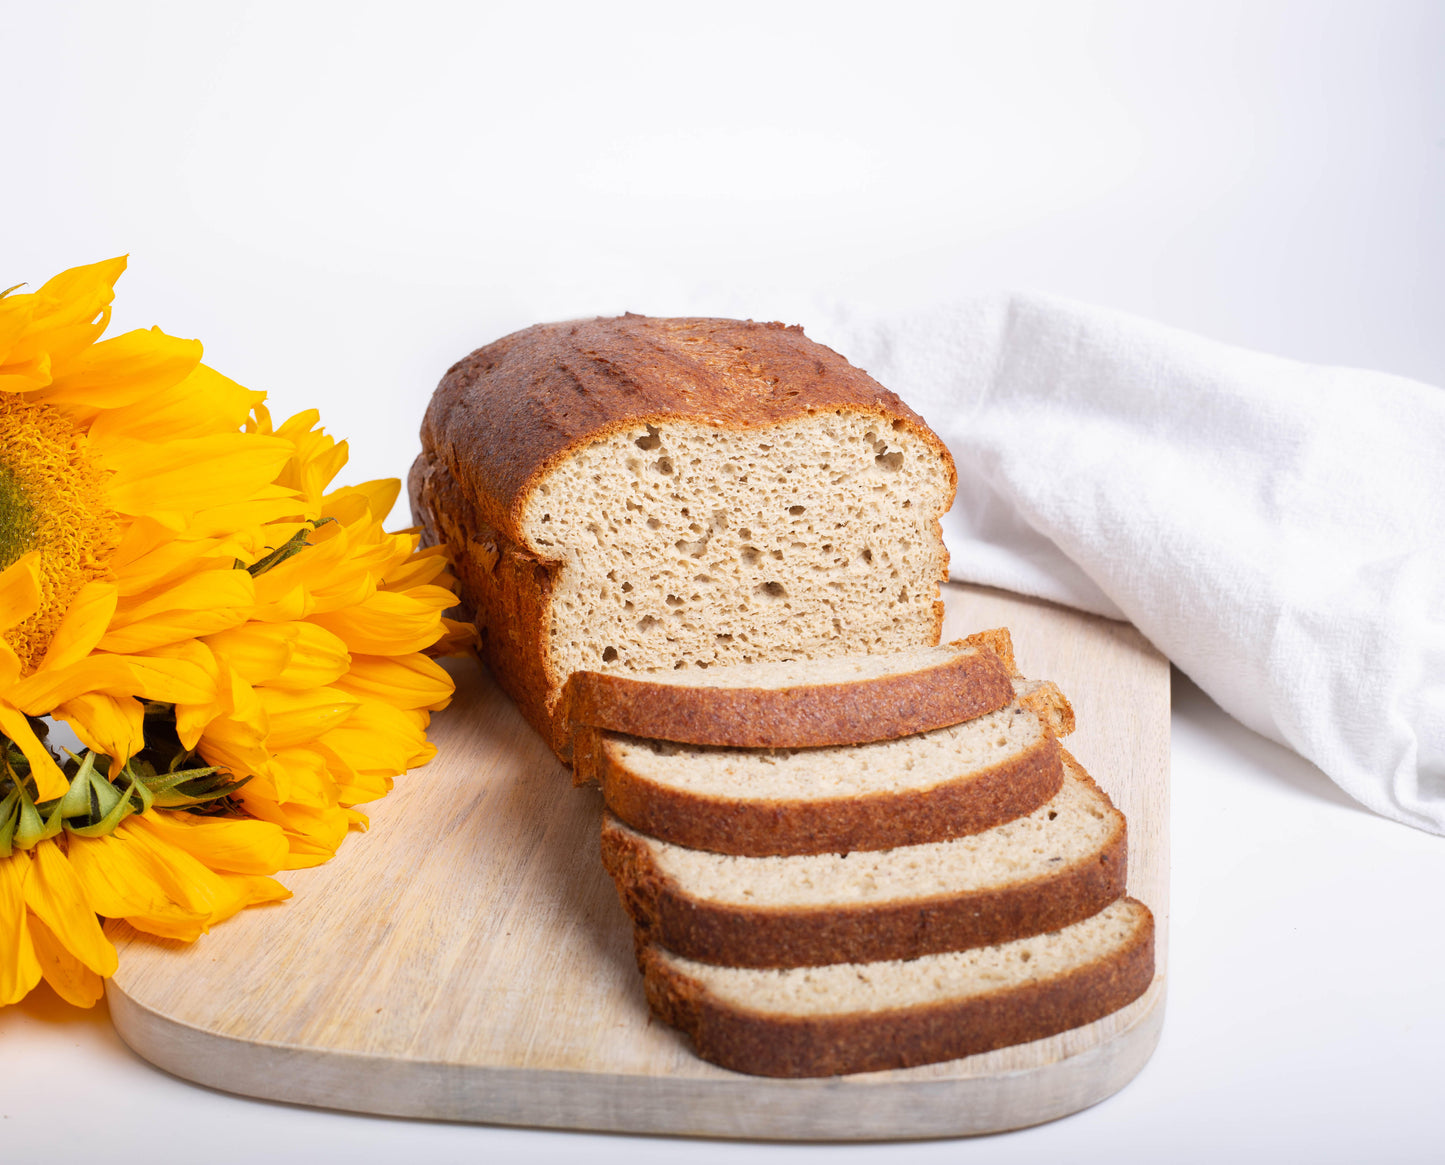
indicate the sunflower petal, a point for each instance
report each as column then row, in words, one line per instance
column 293, row 655
column 202, row 403
column 71, row 979
column 82, row 625
column 19, row 965
column 403, row 681
column 297, row 717
column 122, row 880
column 312, row 834
column 64, row 311
column 49, row 780
column 124, row 370
column 56, row 896
column 114, row 725
column 183, row 673
column 235, row 845
column 388, row 623
column 200, row 471
column 199, row 604
column 19, row 590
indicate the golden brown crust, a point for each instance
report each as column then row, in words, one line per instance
column 757, row 828
column 769, row 1045
column 506, row 588
column 969, row 684
column 738, row 936
column 508, row 412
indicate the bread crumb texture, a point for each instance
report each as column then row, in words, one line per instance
column 862, row 988
column 683, row 546
column 1075, row 826
column 918, row 762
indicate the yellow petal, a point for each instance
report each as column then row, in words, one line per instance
column 19, row 965
column 198, row 604
column 181, row 673
column 56, row 896
column 69, row 311
column 424, row 566
column 313, row 834
column 379, row 495
column 388, row 623
column 82, row 625
column 293, row 655
column 200, row 888
column 19, row 590
column 122, row 880
column 404, row 681
column 124, row 370
column 378, row 739
column 26, row 376
column 203, row 403
column 232, row 844
column 16, row 312
column 114, row 725
column 71, row 979
column 197, row 471
column 49, row 780
column 297, row 717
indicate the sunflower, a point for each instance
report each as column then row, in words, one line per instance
column 242, row 651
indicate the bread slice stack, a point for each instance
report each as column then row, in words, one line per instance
column 805, row 904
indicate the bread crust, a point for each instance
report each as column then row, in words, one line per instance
column 793, row 1046
column 730, row 935
column 762, row 828
column 962, row 687
column 506, row 590
column 505, row 415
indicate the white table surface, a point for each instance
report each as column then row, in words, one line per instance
column 342, row 200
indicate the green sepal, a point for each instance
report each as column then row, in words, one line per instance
column 122, row 809
column 76, row 802
column 32, row 827
column 9, row 819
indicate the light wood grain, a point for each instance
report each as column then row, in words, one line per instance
column 467, row 958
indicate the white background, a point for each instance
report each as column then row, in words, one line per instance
column 340, row 200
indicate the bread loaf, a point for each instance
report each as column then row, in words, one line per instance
column 641, row 495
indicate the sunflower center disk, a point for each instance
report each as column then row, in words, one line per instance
column 52, row 499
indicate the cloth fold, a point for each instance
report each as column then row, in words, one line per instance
column 1276, row 529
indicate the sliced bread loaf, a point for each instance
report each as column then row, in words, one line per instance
column 798, row 703
column 1053, row 867
column 638, row 495
column 865, row 1017
column 929, row 787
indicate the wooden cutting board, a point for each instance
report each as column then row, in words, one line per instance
column 467, row 958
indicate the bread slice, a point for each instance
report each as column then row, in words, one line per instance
column 638, row 495
column 799, row 703
column 929, row 787
column 1053, row 867
column 865, row 1017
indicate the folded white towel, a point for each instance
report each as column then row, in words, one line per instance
column 1277, row 529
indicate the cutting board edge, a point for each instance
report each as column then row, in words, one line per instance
column 739, row 1107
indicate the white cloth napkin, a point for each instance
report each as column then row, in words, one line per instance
column 1276, row 529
